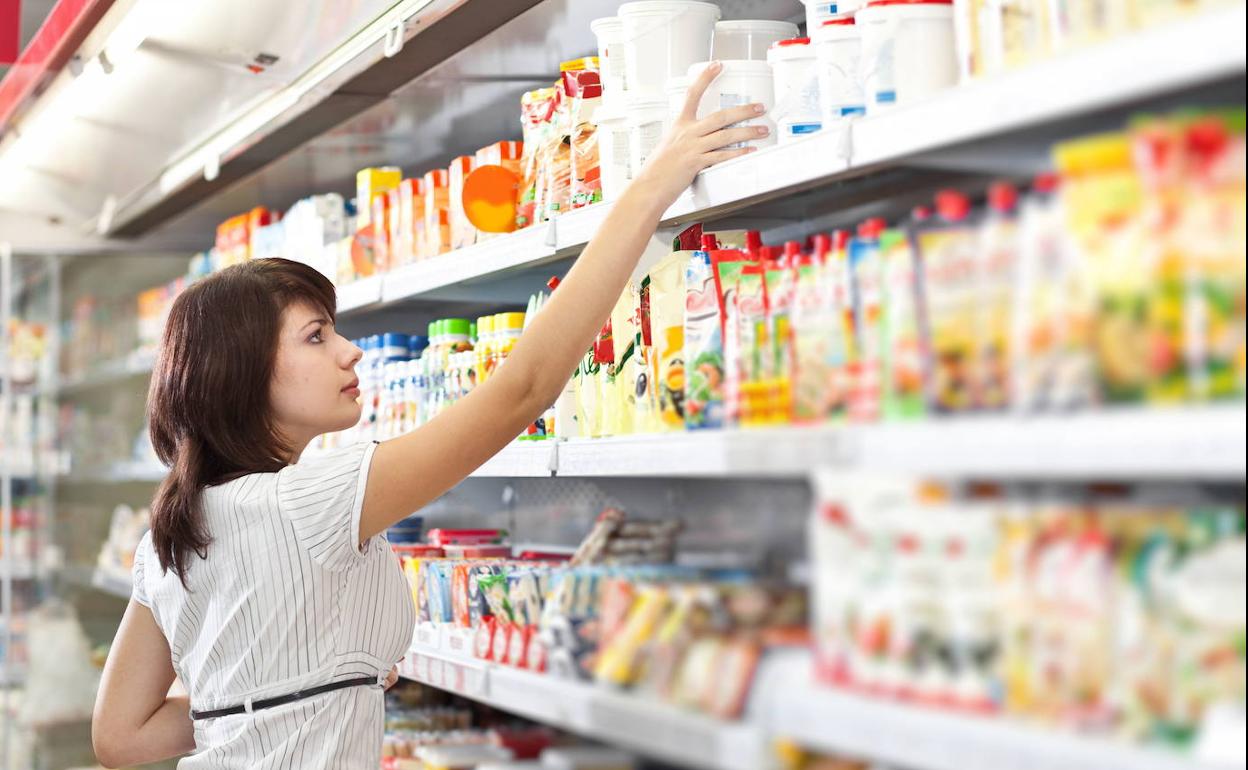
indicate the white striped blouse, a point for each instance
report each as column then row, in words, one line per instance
column 285, row 601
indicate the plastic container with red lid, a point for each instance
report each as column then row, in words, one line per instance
column 795, row 78
column 909, row 50
column 838, row 48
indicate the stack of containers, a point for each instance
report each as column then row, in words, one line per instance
column 611, row 114
column 662, row 39
column 794, row 71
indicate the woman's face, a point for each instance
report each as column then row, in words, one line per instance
column 314, row 387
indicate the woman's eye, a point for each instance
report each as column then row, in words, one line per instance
column 316, row 336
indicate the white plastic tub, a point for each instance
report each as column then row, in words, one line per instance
column 613, row 151
column 676, row 90
column 819, row 11
column 838, row 48
column 908, row 51
column 738, row 83
column 662, row 38
column 611, row 61
column 646, row 119
column 794, row 73
column 748, row 39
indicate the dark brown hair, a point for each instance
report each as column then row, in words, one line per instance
column 208, row 407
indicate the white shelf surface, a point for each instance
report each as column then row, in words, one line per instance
column 1180, row 443
column 928, row 739
column 440, row 658
column 784, row 703
column 114, row 584
column 120, row 472
column 117, row 370
column 1205, row 48
column 522, row 459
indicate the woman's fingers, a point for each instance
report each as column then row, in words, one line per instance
column 693, row 97
column 731, row 136
column 719, row 156
column 715, row 121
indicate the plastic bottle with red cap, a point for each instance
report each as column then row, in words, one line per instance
column 948, row 248
column 998, row 263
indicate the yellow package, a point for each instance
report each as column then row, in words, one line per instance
column 620, row 661
column 667, row 330
column 624, row 371
column 370, row 182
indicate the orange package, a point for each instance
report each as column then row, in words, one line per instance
column 437, row 212
column 411, row 220
column 462, row 232
column 380, row 223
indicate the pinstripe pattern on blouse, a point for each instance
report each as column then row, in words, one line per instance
column 285, row 601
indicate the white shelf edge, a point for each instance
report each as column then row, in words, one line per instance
column 1203, row 442
column 111, row 583
column 119, row 369
column 1203, row 48
column 636, row 723
column 928, row 739
column 784, row 703
column 119, row 473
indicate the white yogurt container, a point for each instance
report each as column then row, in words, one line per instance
column 740, row 82
column 819, row 11
column 676, row 90
column 838, row 49
column 795, row 75
column 613, row 151
column 662, row 38
column 747, row 39
column 908, row 51
column 647, row 116
column 611, row 61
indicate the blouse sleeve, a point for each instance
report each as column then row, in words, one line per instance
column 138, row 573
column 322, row 497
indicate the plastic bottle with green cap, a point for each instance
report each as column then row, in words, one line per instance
column 485, row 343
column 507, row 329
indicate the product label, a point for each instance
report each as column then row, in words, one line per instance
column 648, row 136
column 800, row 129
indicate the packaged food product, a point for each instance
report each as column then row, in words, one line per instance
column 582, row 87
column 747, row 383
column 460, row 537
column 370, row 182
column 540, row 133
column 866, row 365
column 948, row 251
column 462, row 232
column 436, row 185
column 998, row 264
column 795, row 72
column 380, row 223
column 908, row 50
column 903, row 342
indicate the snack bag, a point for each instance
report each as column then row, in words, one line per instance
column 537, row 110
column 623, row 372
column 778, row 364
column 582, row 85
column 748, row 400
column 704, row 351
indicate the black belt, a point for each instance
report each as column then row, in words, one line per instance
column 282, row 700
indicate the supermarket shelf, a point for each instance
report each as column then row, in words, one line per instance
column 783, row 704
column 439, row 658
column 1188, row 443
column 119, row 473
column 109, row 373
column 1165, row 60
column 923, row 739
column 22, row 464
column 19, row 570
column 111, row 583
column 523, row 459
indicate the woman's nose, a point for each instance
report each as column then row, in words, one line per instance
column 354, row 354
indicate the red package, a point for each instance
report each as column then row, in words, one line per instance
column 445, row 537
column 502, row 642
column 483, row 642
column 518, row 645
column 461, row 603
column 477, row 551
column 543, row 556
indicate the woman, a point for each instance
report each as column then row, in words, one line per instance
column 263, row 586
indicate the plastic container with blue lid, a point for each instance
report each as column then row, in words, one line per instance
column 394, row 347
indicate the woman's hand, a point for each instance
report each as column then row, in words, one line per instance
column 692, row 144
